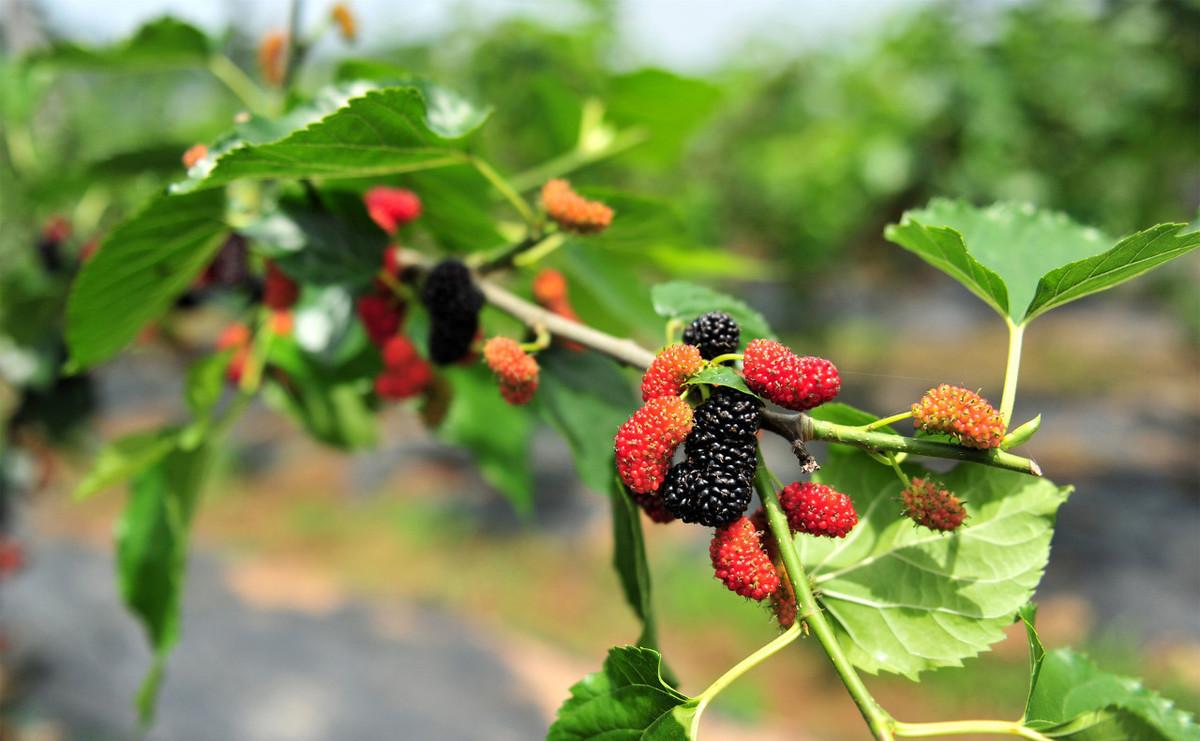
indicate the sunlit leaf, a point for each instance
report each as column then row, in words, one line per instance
column 627, row 699
column 905, row 599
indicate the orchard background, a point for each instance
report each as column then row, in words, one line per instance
column 356, row 565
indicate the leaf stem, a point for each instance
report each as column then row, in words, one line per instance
column 1016, row 334
column 737, row 670
column 884, row 422
column 876, row 717
column 896, row 467
column 238, row 82
column 506, row 189
column 541, row 340
column 964, row 727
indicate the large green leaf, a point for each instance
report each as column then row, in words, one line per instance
column 496, row 433
column 337, row 243
column 720, row 375
column 686, row 301
column 152, row 544
column 159, row 44
column 1070, row 697
column 905, row 599
column 1130, row 258
column 141, row 267
column 386, row 130
column 1025, row 261
column 627, row 699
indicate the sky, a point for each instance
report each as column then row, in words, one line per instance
column 688, row 35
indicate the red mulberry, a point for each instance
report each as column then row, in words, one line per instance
column 646, row 442
column 279, row 292
column 741, row 562
column 392, row 208
column 818, row 509
column 572, row 211
column 515, row 369
column 791, row 381
column 667, row 374
column 928, row 503
column 962, row 414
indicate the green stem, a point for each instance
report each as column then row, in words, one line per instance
column 1016, row 333
column 540, row 341
column 540, row 250
column 900, row 417
column 887, row 442
column 895, row 464
column 726, row 358
column 781, row 641
column 876, row 717
column 238, row 82
column 505, row 258
column 575, row 159
column 505, row 189
column 964, row 727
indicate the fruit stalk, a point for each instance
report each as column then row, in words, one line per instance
column 876, row 717
column 802, row 427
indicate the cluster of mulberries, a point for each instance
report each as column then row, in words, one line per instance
column 571, row 211
column 646, row 442
column 714, row 484
column 405, row 373
column 715, row 333
column 669, row 371
column 817, row 509
column 515, row 369
column 960, row 413
column 740, row 560
column 392, row 208
column 453, row 302
column 791, row 381
column 928, row 503
column 550, row 291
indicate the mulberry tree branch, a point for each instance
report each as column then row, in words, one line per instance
column 794, row 427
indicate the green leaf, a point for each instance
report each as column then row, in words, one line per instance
column 629, row 560
column 844, row 414
column 152, row 544
column 386, row 130
column 627, row 699
column 159, row 44
column 943, row 248
column 585, row 398
column 1024, row 261
column 651, row 230
column 338, row 244
column 1070, row 697
column 124, row 458
column 1073, row 698
column 1130, row 258
column 141, row 267
column 686, row 301
column 667, row 106
column 905, row 599
column 721, row 375
column 496, row 433
column 455, row 208
column 205, row 383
